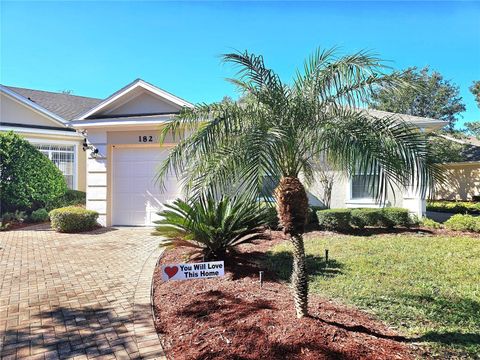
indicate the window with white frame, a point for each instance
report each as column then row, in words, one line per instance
column 362, row 185
column 64, row 157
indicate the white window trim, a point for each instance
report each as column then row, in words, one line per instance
column 63, row 143
column 361, row 202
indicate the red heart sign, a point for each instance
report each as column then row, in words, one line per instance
column 171, row 271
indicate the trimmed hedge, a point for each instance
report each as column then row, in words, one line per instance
column 343, row 219
column 73, row 219
column 432, row 224
column 458, row 207
column 461, row 222
column 334, row 219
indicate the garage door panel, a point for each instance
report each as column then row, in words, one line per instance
column 136, row 196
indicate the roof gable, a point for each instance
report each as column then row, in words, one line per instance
column 137, row 98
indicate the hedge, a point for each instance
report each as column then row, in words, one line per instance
column 73, row 219
column 70, row 198
column 343, row 219
column 334, row 219
column 28, row 179
column 461, row 222
column 457, row 207
column 40, row 215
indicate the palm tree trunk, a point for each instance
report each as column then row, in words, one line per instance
column 292, row 209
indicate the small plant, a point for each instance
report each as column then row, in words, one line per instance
column 461, row 222
column 40, row 215
column 14, row 217
column 73, row 219
column 212, row 228
column 429, row 223
column 334, row 219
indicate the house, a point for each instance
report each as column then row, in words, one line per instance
column 463, row 175
column 42, row 117
column 122, row 153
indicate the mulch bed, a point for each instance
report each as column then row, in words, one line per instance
column 233, row 318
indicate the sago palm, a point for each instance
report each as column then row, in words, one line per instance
column 280, row 130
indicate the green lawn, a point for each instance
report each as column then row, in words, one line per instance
column 426, row 287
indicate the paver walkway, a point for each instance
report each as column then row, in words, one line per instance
column 77, row 295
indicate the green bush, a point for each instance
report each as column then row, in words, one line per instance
column 366, row 217
column 457, row 207
column 334, row 219
column 17, row 216
column 40, row 215
column 312, row 214
column 395, row 217
column 461, row 222
column 210, row 227
column 70, row 198
column 429, row 223
column 73, row 219
column 28, row 179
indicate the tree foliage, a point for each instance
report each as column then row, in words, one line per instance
column 432, row 97
column 475, row 90
column 28, row 179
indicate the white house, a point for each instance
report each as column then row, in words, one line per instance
column 123, row 155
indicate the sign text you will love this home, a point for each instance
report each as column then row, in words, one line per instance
column 193, row 271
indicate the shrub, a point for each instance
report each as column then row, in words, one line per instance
column 70, row 198
column 429, row 223
column 27, row 177
column 458, row 207
column 40, row 215
column 73, row 219
column 212, row 227
column 461, row 222
column 312, row 214
column 366, row 217
column 395, row 217
column 17, row 216
column 334, row 219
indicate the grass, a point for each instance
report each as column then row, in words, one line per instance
column 426, row 287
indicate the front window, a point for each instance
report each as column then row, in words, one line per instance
column 64, row 157
column 362, row 186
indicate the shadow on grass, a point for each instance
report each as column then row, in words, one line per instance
column 281, row 263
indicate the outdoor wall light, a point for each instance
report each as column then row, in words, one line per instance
column 86, row 146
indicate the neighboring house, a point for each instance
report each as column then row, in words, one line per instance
column 463, row 176
column 41, row 117
column 123, row 156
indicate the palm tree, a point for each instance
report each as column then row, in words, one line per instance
column 280, row 130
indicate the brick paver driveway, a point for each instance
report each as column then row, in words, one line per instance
column 77, row 295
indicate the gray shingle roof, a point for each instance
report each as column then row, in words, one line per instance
column 64, row 105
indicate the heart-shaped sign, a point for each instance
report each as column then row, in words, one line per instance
column 171, row 271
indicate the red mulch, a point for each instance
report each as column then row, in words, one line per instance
column 233, row 318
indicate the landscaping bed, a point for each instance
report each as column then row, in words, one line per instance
column 233, row 318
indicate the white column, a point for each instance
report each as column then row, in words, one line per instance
column 414, row 201
column 97, row 182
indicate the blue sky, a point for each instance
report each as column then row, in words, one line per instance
column 94, row 48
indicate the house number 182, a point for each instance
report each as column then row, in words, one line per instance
column 145, row 138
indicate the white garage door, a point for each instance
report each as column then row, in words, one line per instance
column 136, row 198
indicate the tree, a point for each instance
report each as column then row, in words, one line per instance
column 432, row 97
column 28, row 179
column 283, row 129
column 475, row 90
